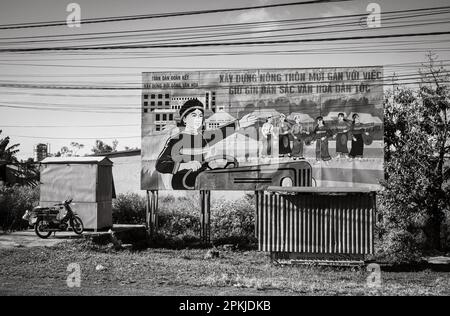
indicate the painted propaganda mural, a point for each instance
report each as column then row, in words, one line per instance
column 250, row 129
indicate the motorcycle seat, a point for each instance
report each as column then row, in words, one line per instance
column 46, row 210
column 40, row 208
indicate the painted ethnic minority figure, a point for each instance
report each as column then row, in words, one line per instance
column 357, row 131
column 267, row 132
column 322, row 133
column 184, row 153
column 342, row 131
column 284, row 146
column 299, row 135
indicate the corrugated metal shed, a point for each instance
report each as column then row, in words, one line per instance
column 311, row 220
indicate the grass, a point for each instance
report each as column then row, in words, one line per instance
column 43, row 271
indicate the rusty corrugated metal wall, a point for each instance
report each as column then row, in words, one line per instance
column 315, row 223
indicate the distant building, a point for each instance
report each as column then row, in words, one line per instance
column 41, row 151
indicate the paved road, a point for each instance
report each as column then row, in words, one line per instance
column 27, row 239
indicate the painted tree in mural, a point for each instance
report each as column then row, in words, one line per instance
column 416, row 190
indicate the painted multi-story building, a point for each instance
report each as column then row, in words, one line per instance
column 155, row 101
column 178, row 101
column 164, row 108
column 163, row 118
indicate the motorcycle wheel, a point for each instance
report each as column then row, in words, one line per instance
column 37, row 230
column 77, row 225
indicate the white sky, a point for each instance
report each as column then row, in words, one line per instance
column 121, row 70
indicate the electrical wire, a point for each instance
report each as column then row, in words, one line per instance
column 234, row 43
column 163, row 15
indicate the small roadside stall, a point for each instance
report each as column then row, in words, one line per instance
column 311, row 223
column 87, row 180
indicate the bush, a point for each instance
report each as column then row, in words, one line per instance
column 415, row 193
column 129, row 209
column 232, row 222
column 14, row 201
column 400, row 247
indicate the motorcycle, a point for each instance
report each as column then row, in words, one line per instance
column 48, row 220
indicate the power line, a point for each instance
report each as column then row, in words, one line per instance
column 74, row 138
column 218, row 41
column 367, row 49
column 403, row 75
column 163, row 15
column 91, row 86
column 128, row 110
column 212, row 44
column 201, row 30
column 68, row 126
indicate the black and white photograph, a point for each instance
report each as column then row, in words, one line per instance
column 226, row 156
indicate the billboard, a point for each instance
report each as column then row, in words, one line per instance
column 253, row 128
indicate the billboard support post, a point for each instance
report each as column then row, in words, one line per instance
column 151, row 208
column 205, row 216
column 256, row 213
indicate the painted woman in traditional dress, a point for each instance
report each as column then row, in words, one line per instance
column 183, row 155
column 322, row 133
column 298, row 134
column 284, row 143
column 342, row 130
column 357, row 131
column 267, row 132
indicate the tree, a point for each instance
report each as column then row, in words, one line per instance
column 71, row 151
column 101, row 147
column 65, row 152
column 76, row 147
column 8, row 154
column 415, row 194
column 22, row 173
column 436, row 119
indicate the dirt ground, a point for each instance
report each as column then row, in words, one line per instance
column 44, row 271
column 28, row 239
